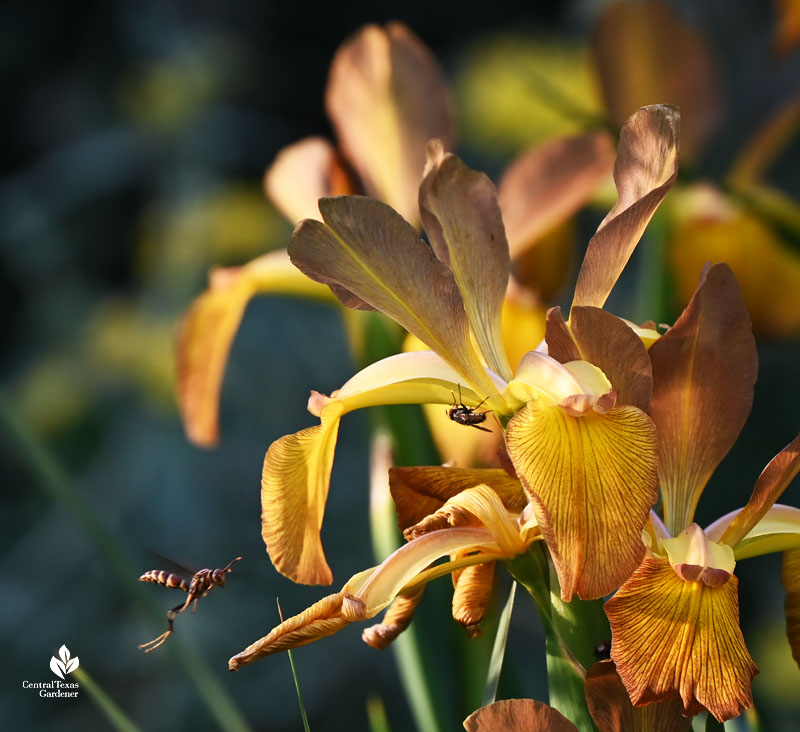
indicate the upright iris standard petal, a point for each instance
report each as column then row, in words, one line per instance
column 678, row 639
column 372, row 258
column 645, row 169
column 387, row 97
column 704, row 369
column 592, row 481
column 462, row 218
column 208, row 329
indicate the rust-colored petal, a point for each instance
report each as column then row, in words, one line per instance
column 772, row 482
column 612, row 711
column 471, row 594
column 673, row 639
column 421, row 491
column 294, row 489
column 398, row 617
column 386, row 98
column 518, row 715
column 704, row 369
column 372, row 258
column 787, row 35
column 592, row 481
column 303, row 173
column 597, row 336
column 209, row 326
column 790, row 576
column 462, row 219
column 549, row 183
column 645, row 54
column 645, row 169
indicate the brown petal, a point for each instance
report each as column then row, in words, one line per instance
column 612, row 711
column 549, row 183
column 772, row 482
column 421, row 491
column 387, row 97
column 790, row 576
column 471, row 595
column 518, row 715
column 674, row 639
column 398, row 617
column 704, row 369
column 597, row 336
column 646, row 168
column 303, row 173
column 646, row 54
column 462, row 218
column 372, row 258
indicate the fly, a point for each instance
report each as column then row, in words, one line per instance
column 462, row 414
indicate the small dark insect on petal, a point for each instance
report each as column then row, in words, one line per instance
column 602, row 650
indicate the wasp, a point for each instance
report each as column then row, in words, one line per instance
column 462, row 414
column 199, row 586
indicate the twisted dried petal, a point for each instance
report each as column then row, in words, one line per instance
column 471, row 594
column 398, row 617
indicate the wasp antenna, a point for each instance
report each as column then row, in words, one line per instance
column 228, row 568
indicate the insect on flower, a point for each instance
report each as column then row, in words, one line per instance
column 199, row 586
column 462, row 414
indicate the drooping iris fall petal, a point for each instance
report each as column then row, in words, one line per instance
column 462, row 218
column 704, row 369
column 644, row 171
column 790, row 576
column 208, row 329
column 592, row 481
column 387, row 97
column 373, row 259
column 678, row 639
column 518, row 715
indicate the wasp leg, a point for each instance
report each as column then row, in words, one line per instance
column 171, row 615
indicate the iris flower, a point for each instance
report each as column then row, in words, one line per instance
column 577, row 435
column 675, row 621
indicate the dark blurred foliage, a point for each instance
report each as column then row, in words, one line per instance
column 136, row 135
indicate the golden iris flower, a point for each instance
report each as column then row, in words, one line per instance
column 576, row 438
column 675, row 622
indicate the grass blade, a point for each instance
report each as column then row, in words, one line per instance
column 499, row 648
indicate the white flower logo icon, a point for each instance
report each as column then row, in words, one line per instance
column 65, row 665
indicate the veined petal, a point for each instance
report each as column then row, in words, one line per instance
column 777, row 531
column 704, row 369
column 472, row 591
column 303, row 173
column 612, row 711
column 790, row 576
column 662, row 58
column 387, row 97
column 690, row 646
column 549, row 183
column 294, row 489
column 772, row 482
column 518, row 715
column 372, row 258
column 420, row 491
column 462, row 218
column 208, row 329
column 646, row 168
column 592, row 481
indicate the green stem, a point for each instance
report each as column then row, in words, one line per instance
column 21, row 444
column 116, row 717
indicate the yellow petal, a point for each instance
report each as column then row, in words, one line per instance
column 790, row 576
column 462, row 218
column 523, row 323
column 704, row 368
column 294, row 489
column 303, row 173
column 471, row 596
column 387, row 97
column 777, row 531
column 612, row 711
column 645, row 53
column 208, row 329
column 646, row 168
column 772, row 482
column 690, row 646
column 518, row 715
column 696, row 559
column 592, row 481
column 373, row 259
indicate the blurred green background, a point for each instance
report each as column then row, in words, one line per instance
column 136, row 136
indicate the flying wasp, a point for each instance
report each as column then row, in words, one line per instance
column 462, row 414
column 199, row 586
